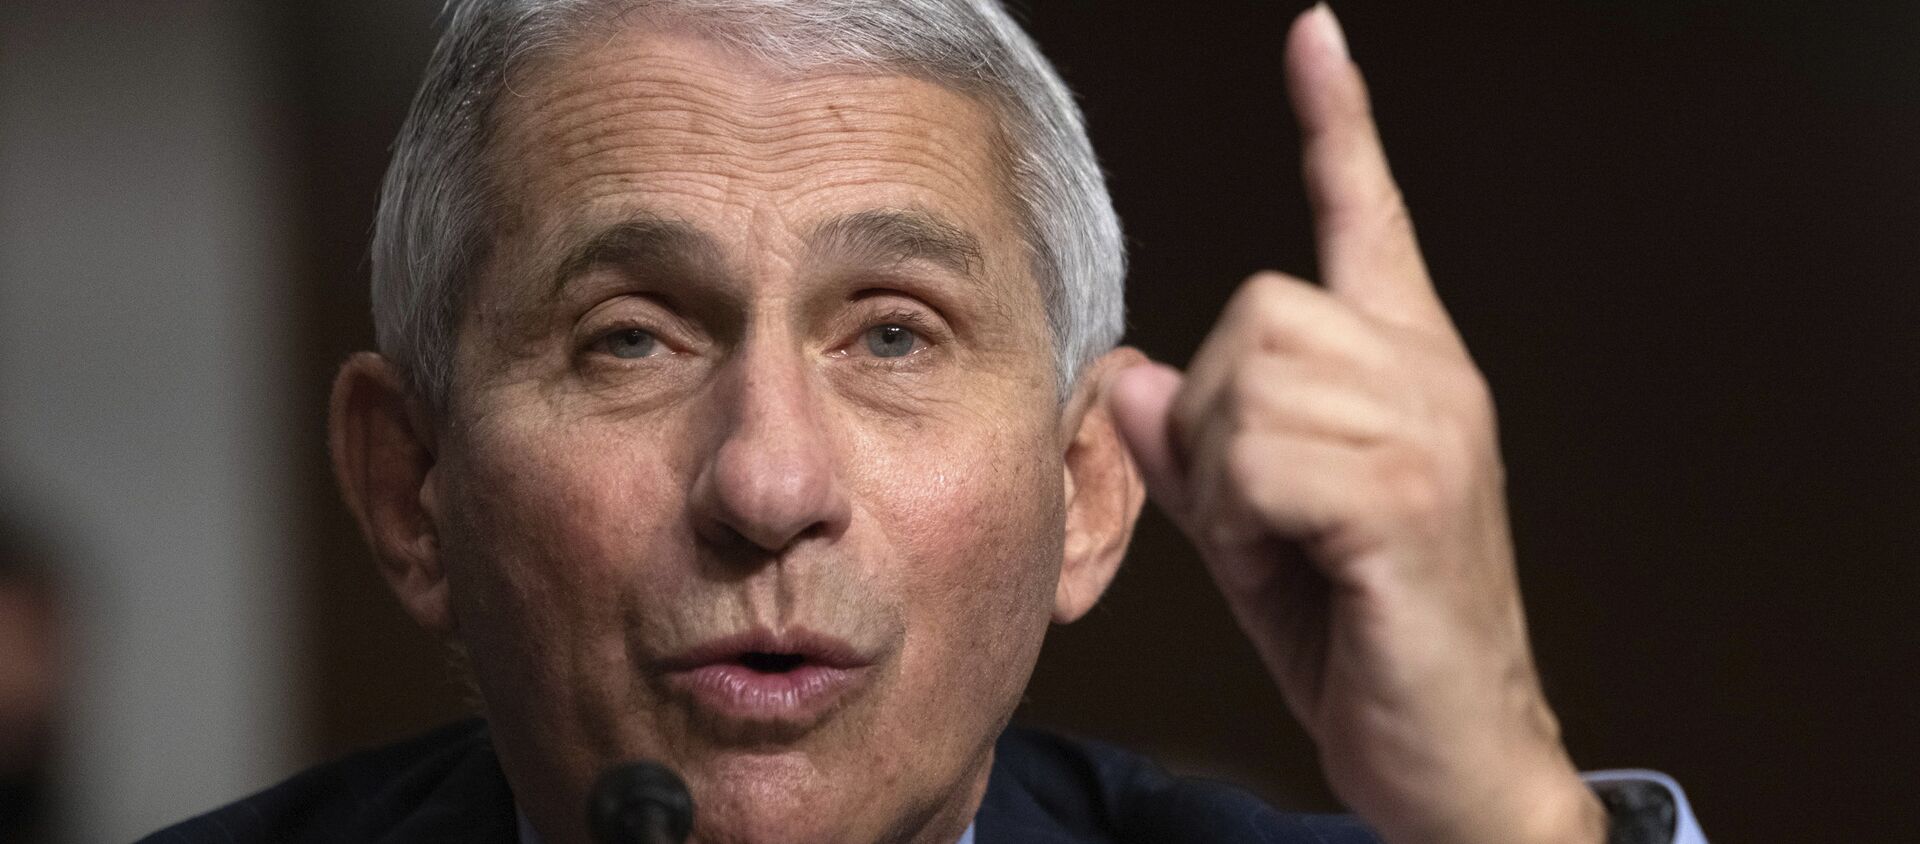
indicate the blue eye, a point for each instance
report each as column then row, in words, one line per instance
column 629, row 343
column 890, row 341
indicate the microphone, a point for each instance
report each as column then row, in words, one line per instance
column 639, row 803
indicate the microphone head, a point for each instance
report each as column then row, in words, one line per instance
column 640, row 802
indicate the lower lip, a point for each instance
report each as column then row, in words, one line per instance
column 795, row 697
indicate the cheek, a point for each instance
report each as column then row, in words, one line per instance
column 543, row 521
column 975, row 514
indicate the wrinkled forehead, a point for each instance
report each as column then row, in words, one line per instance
column 645, row 123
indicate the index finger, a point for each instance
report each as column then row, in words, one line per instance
column 1368, row 253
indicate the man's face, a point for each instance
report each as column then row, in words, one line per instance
column 753, row 464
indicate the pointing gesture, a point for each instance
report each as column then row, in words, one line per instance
column 1362, row 231
column 1332, row 453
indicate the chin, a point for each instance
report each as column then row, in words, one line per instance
column 733, row 817
column 786, row 799
column 803, row 829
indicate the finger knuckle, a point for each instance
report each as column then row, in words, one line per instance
column 1249, row 403
column 1267, row 282
column 1274, row 310
column 1410, row 482
column 1247, row 469
column 1246, row 465
column 1266, row 291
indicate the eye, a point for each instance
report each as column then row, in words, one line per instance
column 891, row 341
column 629, row 343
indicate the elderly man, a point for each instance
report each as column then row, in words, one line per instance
column 748, row 401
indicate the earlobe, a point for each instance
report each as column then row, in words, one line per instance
column 383, row 458
column 1104, row 491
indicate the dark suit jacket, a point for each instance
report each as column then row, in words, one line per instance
column 1044, row 789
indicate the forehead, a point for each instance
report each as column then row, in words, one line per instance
column 658, row 124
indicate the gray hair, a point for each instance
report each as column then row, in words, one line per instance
column 435, row 225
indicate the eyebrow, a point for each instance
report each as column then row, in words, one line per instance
column 644, row 240
column 675, row 247
column 899, row 234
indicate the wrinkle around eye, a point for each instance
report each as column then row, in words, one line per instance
column 875, row 309
column 675, row 363
column 644, row 311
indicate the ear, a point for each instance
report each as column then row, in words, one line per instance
column 383, row 457
column 1104, row 490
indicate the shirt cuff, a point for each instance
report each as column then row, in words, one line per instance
column 1641, row 804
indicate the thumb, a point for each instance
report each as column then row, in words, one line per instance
column 1140, row 398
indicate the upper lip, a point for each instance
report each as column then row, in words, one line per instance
column 815, row 648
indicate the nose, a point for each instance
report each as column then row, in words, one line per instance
column 772, row 479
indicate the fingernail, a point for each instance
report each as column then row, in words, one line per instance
column 1328, row 30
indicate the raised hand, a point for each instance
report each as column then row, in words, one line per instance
column 1332, row 453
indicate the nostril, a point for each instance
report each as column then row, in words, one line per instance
column 771, row 663
column 771, row 483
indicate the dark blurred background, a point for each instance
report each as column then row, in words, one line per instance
column 1680, row 237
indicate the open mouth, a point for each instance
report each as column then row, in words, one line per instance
column 771, row 663
column 793, row 679
column 763, row 651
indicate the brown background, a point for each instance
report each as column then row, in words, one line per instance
column 1681, row 238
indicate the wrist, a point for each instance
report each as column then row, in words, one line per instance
column 1530, row 805
column 1572, row 814
column 1533, row 794
column 1543, row 800
column 1553, row 803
